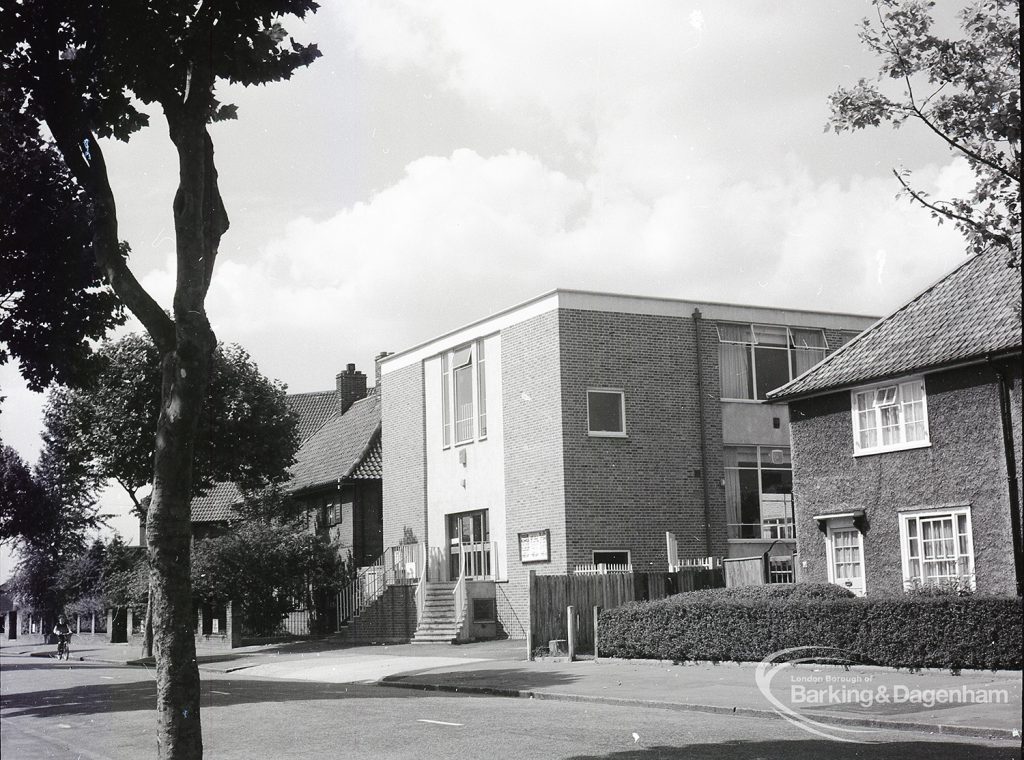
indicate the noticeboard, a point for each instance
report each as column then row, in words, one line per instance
column 535, row 546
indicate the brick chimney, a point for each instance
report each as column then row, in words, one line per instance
column 351, row 387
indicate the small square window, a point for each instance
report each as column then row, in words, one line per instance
column 484, row 611
column 606, row 413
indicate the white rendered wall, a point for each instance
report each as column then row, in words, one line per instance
column 478, row 484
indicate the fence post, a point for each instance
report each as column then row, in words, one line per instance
column 571, row 616
column 597, row 612
column 529, row 646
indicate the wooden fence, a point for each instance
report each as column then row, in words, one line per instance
column 551, row 595
column 745, row 571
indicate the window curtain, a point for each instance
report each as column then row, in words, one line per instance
column 734, row 369
column 808, row 349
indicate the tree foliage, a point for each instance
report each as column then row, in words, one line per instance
column 966, row 92
column 53, row 300
column 247, row 435
column 267, row 569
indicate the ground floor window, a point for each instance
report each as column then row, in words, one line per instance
column 618, row 557
column 759, row 492
column 937, row 548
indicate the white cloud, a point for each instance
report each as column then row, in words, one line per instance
column 461, row 236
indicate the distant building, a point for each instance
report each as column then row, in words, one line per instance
column 578, row 428
column 337, row 473
column 907, row 443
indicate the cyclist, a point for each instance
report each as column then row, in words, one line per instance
column 63, row 633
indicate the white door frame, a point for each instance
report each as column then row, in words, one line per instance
column 842, row 525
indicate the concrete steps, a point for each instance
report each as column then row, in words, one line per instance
column 438, row 622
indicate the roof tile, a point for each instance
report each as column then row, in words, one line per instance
column 972, row 312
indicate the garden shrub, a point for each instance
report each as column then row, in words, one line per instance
column 952, row 632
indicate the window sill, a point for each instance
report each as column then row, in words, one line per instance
column 888, row 449
column 592, row 434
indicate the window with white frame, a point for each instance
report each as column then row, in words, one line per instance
column 463, row 395
column 758, row 492
column 606, row 412
column 937, row 548
column 890, row 417
column 755, row 359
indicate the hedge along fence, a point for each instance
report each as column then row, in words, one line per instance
column 904, row 632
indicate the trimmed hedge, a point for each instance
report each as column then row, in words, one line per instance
column 953, row 632
column 768, row 591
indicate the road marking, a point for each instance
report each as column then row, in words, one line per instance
column 225, row 693
column 438, row 722
column 63, row 725
column 107, row 678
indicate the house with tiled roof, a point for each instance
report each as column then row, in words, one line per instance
column 337, row 473
column 906, row 443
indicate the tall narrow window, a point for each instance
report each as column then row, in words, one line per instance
column 446, row 402
column 462, row 380
column 481, row 391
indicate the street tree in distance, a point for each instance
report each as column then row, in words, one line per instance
column 246, row 435
column 80, row 69
column 966, row 92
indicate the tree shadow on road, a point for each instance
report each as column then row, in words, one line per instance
column 814, row 749
column 94, row 699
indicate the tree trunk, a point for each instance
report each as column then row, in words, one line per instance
column 199, row 222
column 168, row 533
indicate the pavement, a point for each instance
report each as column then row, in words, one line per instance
column 821, row 698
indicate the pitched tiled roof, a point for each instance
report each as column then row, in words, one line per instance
column 314, row 409
column 346, row 446
column 372, row 466
column 972, row 312
column 216, row 504
column 336, row 449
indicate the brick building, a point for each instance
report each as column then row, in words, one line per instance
column 336, row 477
column 906, row 443
column 578, row 428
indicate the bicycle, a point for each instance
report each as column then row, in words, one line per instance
column 64, row 647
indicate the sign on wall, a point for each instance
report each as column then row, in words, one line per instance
column 535, row 546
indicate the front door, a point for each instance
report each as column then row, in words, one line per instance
column 846, row 559
column 469, row 545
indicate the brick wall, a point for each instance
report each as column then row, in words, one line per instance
column 964, row 464
column 534, row 479
column 404, row 456
column 624, row 493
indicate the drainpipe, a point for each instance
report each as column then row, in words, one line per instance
column 700, row 434
column 1011, row 471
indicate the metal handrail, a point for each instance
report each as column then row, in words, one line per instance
column 370, row 582
column 421, row 584
column 459, row 592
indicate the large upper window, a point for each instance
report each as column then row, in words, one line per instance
column 463, row 394
column 937, row 548
column 889, row 417
column 755, row 359
column 758, row 492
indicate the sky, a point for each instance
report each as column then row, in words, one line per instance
column 446, row 159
